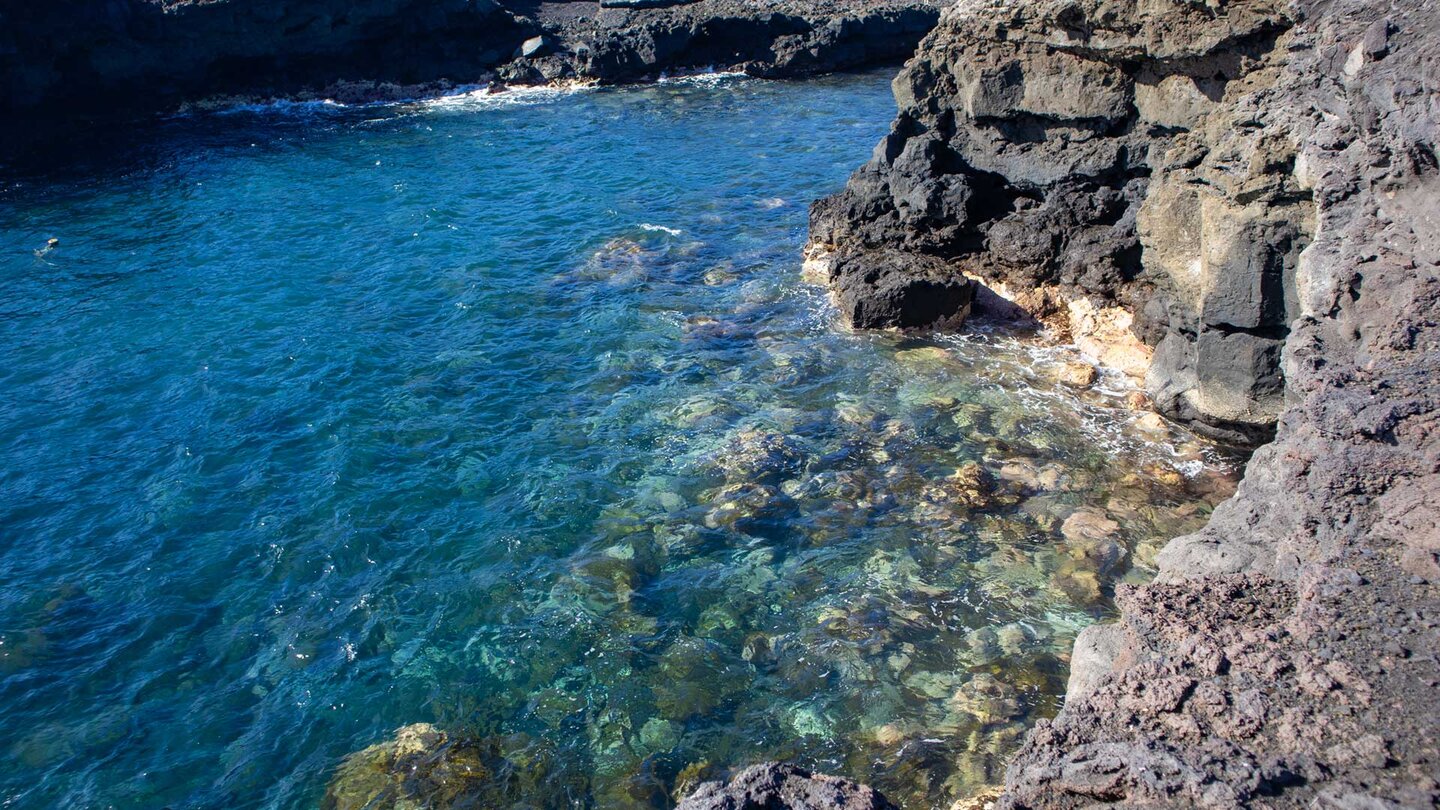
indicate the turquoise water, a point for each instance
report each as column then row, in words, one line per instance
column 514, row 417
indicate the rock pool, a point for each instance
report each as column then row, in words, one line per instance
column 514, row 417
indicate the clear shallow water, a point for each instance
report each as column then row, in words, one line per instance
column 516, row 418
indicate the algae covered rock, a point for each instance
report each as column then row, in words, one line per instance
column 987, row 699
column 422, row 767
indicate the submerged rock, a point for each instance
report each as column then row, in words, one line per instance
column 424, row 768
column 987, row 699
column 1077, row 374
column 746, row 507
column 760, row 456
column 1090, row 535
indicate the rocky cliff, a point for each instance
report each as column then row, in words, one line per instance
column 1238, row 203
column 1121, row 168
column 82, row 60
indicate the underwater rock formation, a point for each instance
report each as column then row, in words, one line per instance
column 424, row 767
column 1248, row 193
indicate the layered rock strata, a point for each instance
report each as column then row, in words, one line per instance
column 1118, row 170
column 1249, row 191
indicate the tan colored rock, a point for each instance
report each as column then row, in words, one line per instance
column 817, row 264
column 891, row 735
column 418, row 769
column 1079, row 584
column 1077, row 374
column 1176, row 101
column 1151, row 423
column 987, row 699
column 1137, row 400
column 1087, row 525
column 983, row 800
column 1168, row 224
column 1104, row 333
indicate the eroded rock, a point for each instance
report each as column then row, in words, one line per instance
column 1087, row 161
column 778, row 786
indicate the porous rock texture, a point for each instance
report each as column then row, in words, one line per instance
column 779, row 786
column 1253, row 185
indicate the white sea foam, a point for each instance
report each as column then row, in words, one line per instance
column 464, row 97
column 706, row 78
column 287, row 107
column 645, row 226
column 489, row 96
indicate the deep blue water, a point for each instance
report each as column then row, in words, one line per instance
column 515, row 417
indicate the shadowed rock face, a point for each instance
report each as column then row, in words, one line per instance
column 1255, row 185
column 882, row 289
column 115, row 58
column 772, row 38
column 776, row 786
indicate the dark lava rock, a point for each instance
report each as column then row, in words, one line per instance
column 888, row 288
column 1130, row 163
column 778, row 786
column 643, row 3
column 71, row 57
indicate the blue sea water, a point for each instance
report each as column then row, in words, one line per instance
column 514, row 416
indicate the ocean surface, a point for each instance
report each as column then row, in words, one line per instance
column 513, row 416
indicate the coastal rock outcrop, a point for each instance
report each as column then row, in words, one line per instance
column 774, row 38
column 86, row 60
column 778, row 786
column 1249, row 192
column 422, row 766
column 1117, row 170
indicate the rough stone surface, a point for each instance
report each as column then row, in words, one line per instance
column 1122, row 166
column 881, row 289
column 1256, row 184
column 767, row 38
column 778, row 786
column 70, row 56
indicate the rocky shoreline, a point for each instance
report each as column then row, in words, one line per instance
column 83, row 64
column 1236, row 202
